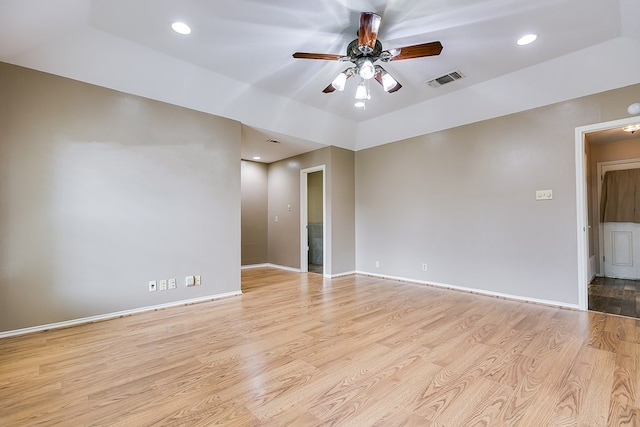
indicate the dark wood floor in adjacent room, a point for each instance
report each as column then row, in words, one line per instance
column 302, row 350
column 615, row 296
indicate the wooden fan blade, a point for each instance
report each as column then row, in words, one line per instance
column 368, row 31
column 329, row 88
column 325, row 56
column 379, row 73
column 419, row 50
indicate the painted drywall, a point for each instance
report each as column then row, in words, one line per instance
column 573, row 75
column 284, row 191
column 622, row 150
column 93, row 56
column 342, row 183
column 254, row 213
column 463, row 202
column 314, row 196
column 101, row 192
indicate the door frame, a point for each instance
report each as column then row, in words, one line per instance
column 304, row 209
column 602, row 168
column 582, row 207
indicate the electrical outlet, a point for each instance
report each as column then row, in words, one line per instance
column 377, row 264
column 163, row 284
column 424, row 266
column 153, row 285
column 198, row 281
column 172, row 283
column 190, row 281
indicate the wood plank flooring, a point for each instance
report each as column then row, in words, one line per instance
column 301, row 350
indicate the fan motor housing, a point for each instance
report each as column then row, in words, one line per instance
column 353, row 51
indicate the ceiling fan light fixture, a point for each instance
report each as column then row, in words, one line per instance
column 388, row 82
column 366, row 69
column 339, row 82
column 632, row 128
column 361, row 92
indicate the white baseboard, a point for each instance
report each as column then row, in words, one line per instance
column 279, row 267
column 475, row 291
column 348, row 273
column 295, row 270
column 250, row 266
column 108, row 316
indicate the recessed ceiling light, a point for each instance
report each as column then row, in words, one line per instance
column 181, row 28
column 257, row 157
column 527, row 39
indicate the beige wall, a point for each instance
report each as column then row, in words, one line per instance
column 284, row 190
column 314, row 197
column 343, row 218
column 254, row 213
column 621, row 150
column 463, row 201
column 101, row 192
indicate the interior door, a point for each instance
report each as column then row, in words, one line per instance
column 621, row 250
column 620, row 240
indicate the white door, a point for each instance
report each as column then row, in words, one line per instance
column 620, row 243
column 621, row 250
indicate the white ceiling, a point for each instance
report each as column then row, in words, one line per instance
column 237, row 62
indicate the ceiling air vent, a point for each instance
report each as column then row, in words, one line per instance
column 447, row 78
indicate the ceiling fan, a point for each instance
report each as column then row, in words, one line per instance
column 364, row 51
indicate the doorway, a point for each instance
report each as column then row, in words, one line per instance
column 312, row 220
column 586, row 268
column 619, row 242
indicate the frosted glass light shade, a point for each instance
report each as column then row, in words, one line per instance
column 367, row 70
column 339, row 82
column 388, row 82
column 361, row 92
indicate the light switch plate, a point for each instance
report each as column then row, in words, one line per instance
column 190, row 281
column 544, row 194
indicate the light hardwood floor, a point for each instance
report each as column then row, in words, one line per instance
column 300, row 350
